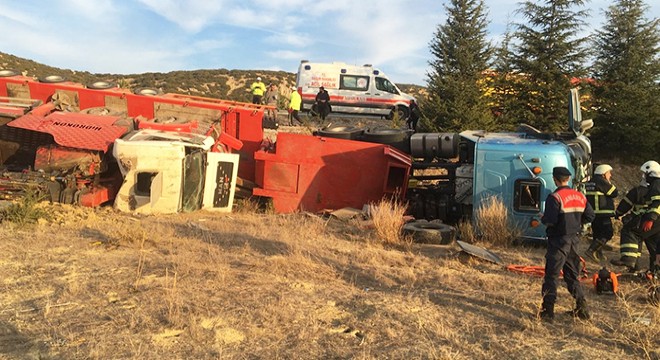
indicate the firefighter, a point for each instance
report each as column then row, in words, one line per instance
column 649, row 225
column 601, row 194
column 258, row 89
column 631, row 209
column 566, row 210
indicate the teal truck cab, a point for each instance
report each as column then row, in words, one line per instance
column 516, row 167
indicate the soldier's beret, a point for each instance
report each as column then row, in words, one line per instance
column 560, row 171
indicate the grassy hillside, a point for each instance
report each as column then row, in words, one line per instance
column 215, row 83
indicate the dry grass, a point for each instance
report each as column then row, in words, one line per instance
column 493, row 225
column 466, row 232
column 259, row 286
column 387, row 216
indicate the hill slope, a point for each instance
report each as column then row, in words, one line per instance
column 215, row 83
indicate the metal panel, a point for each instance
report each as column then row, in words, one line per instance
column 83, row 131
column 220, row 181
column 315, row 173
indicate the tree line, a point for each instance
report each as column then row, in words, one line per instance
column 526, row 78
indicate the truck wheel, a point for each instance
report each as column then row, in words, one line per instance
column 426, row 232
column 8, row 73
column 146, row 91
column 101, row 85
column 52, row 79
column 341, row 132
column 396, row 138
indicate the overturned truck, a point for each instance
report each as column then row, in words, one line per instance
column 454, row 174
column 59, row 138
column 157, row 153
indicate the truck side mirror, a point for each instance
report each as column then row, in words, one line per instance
column 586, row 125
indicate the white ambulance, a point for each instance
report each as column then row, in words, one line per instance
column 352, row 89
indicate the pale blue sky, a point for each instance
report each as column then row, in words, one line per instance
column 137, row 36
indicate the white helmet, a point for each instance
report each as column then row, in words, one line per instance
column 651, row 168
column 602, row 169
column 258, row 78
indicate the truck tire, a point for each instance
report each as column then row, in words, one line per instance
column 396, row 138
column 146, row 91
column 8, row 72
column 101, row 85
column 52, row 79
column 341, row 132
column 403, row 111
column 426, row 232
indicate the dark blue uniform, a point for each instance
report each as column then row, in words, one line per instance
column 565, row 212
column 601, row 194
column 632, row 206
column 652, row 214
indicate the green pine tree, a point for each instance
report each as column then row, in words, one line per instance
column 627, row 68
column 455, row 83
column 503, row 95
column 548, row 55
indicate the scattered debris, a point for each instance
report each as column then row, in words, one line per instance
column 479, row 252
column 346, row 213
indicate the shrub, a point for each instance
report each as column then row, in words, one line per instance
column 387, row 216
column 466, row 232
column 26, row 210
column 492, row 223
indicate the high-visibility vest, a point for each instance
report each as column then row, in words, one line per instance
column 601, row 194
column 296, row 101
column 258, row 88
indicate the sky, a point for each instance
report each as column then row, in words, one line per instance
column 138, row 36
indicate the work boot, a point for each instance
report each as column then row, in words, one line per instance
column 594, row 252
column 547, row 315
column 628, row 262
column 581, row 311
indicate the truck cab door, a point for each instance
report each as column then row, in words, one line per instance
column 220, row 181
column 575, row 122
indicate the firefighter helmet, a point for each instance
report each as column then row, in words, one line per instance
column 602, row 169
column 651, row 168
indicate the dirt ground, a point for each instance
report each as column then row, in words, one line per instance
column 99, row 284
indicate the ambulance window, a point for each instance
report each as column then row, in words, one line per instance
column 354, row 82
column 385, row 85
column 527, row 195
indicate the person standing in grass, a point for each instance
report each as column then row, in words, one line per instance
column 272, row 97
column 650, row 225
column 601, row 194
column 566, row 210
column 631, row 209
column 258, row 89
column 294, row 105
